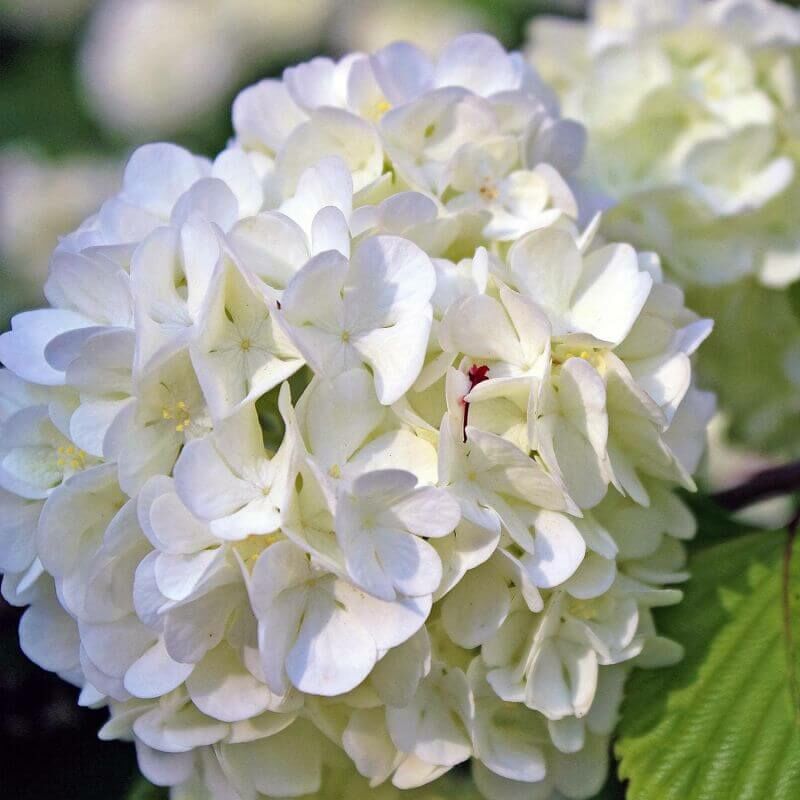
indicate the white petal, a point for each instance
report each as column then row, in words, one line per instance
column 496, row 787
column 22, row 348
column 584, row 773
column 558, row 550
column 115, row 646
column 327, row 183
column 234, row 167
column 532, row 260
column 179, row 575
column 164, row 769
column 178, row 731
column 18, row 520
column 389, row 624
column 49, row 636
column 396, row 354
column 332, row 132
column 391, row 277
column 285, row 765
column 428, row 512
column 432, row 727
column 156, row 175
column 568, row 734
column 271, row 246
column 411, row 563
column 366, row 741
column 221, row 687
column 155, row 673
column 264, row 115
column 281, row 567
column 397, row 675
column 474, row 610
column 211, row 199
column 170, row 526
column 191, row 630
column 403, row 71
column 593, row 578
column 346, row 404
column 479, row 327
column 610, row 294
column 206, row 483
column 330, row 231
column 333, row 652
column 477, row 62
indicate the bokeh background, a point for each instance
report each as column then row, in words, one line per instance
column 81, row 83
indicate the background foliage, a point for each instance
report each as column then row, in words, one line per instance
column 723, row 722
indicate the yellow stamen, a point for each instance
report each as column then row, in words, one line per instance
column 179, row 412
column 381, row 107
column 70, row 456
column 488, row 191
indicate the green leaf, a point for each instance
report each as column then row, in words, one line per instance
column 722, row 724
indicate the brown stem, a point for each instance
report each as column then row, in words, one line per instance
column 763, row 485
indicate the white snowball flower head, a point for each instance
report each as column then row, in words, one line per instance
column 691, row 108
column 352, row 451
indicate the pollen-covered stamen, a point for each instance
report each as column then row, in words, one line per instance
column 379, row 109
column 478, row 373
column 488, row 191
column 70, row 457
column 179, row 412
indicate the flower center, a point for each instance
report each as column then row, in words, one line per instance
column 593, row 355
column 488, row 191
column 179, row 413
column 380, row 108
column 70, row 457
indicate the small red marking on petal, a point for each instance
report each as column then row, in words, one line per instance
column 477, row 374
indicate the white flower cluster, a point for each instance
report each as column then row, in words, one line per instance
column 693, row 111
column 447, row 545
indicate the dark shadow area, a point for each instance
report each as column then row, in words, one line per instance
column 49, row 744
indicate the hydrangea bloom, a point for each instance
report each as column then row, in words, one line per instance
column 691, row 108
column 351, row 451
column 692, row 112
